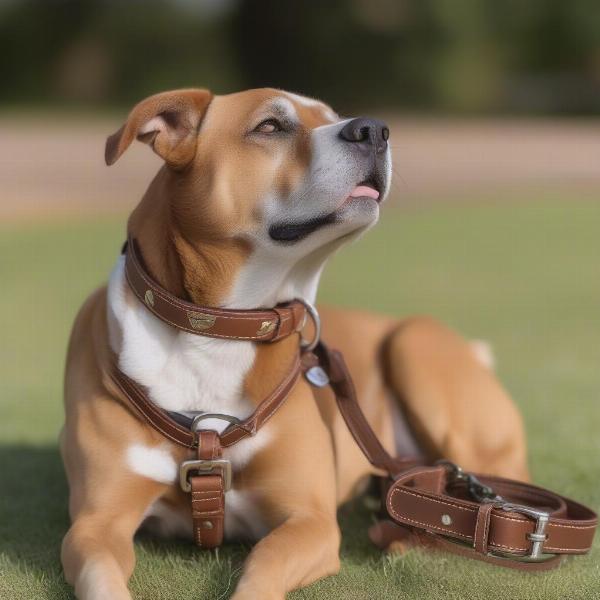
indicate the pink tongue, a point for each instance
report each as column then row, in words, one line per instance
column 361, row 191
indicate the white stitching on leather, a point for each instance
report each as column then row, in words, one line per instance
column 421, row 497
column 426, row 525
column 551, row 524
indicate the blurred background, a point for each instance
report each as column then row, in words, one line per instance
column 492, row 226
column 480, row 93
column 483, row 56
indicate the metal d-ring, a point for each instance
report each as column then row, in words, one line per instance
column 202, row 416
column 306, row 345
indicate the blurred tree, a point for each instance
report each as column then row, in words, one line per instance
column 466, row 55
column 375, row 52
column 456, row 55
column 107, row 51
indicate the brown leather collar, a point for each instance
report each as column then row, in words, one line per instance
column 268, row 325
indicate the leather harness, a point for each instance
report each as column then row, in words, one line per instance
column 497, row 520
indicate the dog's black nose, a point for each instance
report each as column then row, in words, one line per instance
column 368, row 132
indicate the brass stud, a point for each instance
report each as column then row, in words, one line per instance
column 207, row 524
column 149, row 298
column 201, row 321
column 446, row 519
column 266, row 327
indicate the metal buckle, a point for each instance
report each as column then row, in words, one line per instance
column 306, row 345
column 484, row 493
column 537, row 538
column 204, row 467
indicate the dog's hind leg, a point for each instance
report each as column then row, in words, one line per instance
column 452, row 399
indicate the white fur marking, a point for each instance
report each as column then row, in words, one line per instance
column 483, row 353
column 94, row 581
column 182, row 371
column 287, row 107
column 311, row 103
column 153, row 463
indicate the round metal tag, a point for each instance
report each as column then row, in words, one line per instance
column 317, row 376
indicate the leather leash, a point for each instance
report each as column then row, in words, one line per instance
column 501, row 521
column 504, row 522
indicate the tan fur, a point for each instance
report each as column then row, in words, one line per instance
column 190, row 225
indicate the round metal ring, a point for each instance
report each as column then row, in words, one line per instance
column 308, row 345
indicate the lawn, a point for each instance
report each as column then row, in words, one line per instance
column 525, row 276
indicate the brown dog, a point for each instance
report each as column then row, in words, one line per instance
column 258, row 189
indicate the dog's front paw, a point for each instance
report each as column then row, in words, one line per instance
column 256, row 593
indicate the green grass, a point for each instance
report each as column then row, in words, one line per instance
column 524, row 276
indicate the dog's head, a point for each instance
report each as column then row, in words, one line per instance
column 279, row 173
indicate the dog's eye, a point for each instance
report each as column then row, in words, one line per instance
column 269, row 126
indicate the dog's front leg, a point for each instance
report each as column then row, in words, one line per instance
column 301, row 550
column 98, row 558
column 294, row 481
column 97, row 553
column 107, row 504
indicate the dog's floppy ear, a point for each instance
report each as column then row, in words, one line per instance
column 169, row 122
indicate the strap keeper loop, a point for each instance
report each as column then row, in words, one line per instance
column 482, row 527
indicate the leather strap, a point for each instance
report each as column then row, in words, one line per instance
column 207, row 486
column 437, row 505
column 341, row 383
column 155, row 416
column 387, row 532
column 427, row 498
column 268, row 325
column 166, row 425
column 208, row 495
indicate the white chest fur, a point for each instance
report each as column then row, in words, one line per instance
column 182, row 372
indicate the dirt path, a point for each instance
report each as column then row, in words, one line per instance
column 54, row 165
